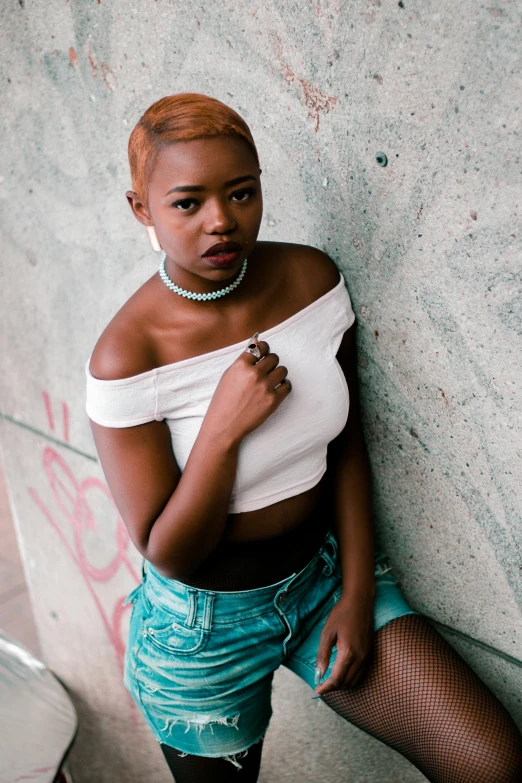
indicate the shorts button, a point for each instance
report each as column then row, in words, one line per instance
column 282, row 598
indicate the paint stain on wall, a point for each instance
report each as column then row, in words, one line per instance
column 109, row 78
column 93, row 62
column 444, row 397
column 73, row 57
column 314, row 99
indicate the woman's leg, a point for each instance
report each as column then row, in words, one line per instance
column 422, row 699
column 199, row 769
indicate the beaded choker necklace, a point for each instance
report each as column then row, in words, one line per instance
column 190, row 294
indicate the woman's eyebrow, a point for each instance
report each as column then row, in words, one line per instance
column 230, row 182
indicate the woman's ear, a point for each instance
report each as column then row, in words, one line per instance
column 139, row 209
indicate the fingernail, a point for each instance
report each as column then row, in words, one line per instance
column 318, row 696
column 254, row 337
column 317, row 675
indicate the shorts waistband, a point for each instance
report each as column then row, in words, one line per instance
column 197, row 607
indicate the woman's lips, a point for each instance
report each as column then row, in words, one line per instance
column 223, row 259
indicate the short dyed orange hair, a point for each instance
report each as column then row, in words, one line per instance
column 182, row 117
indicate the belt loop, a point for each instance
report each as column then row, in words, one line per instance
column 208, row 611
column 193, row 607
column 325, row 554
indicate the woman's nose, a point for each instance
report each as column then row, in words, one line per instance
column 219, row 218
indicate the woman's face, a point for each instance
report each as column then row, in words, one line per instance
column 201, row 193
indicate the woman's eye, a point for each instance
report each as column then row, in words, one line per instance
column 184, row 204
column 244, row 192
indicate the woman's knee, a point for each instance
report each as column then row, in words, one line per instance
column 501, row 761
column 482, row 757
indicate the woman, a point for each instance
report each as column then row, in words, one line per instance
column 214, row 447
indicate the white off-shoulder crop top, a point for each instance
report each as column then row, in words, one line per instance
column 286, row 454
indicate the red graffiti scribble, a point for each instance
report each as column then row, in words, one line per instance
column 35, row 773
column 72, row 498
column 65, row 415
column 48, row 408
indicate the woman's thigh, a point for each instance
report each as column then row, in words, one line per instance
column 421, row 698
column 388, row 605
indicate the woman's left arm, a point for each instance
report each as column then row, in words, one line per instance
column 350, row 624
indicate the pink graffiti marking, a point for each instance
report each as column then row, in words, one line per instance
column 74, row 499
column 48, row 408
column 65, row 415
column 35, row 773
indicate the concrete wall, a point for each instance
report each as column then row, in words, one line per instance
column 429, row 244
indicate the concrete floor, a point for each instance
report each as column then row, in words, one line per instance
column 16, row 614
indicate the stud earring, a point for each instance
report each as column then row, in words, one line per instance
column 153, row 239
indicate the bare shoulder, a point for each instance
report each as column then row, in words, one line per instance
column 120, row 352
column 124, row 348
column 311, row 271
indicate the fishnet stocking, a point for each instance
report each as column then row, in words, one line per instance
column 421, row 698
column 197, row 769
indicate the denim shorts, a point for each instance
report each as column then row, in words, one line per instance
column 199, row 663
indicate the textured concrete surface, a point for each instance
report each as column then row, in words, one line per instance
column 429, row 245
column 16, row 614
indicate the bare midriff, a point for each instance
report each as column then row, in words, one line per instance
column 263, row 547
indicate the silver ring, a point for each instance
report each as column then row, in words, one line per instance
column 253, row 348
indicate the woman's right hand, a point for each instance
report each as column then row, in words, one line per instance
column 248, row 392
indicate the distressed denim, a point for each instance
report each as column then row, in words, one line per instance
column 199, row 663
